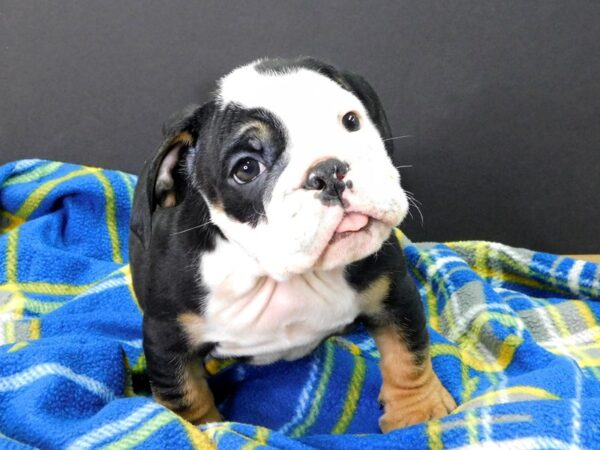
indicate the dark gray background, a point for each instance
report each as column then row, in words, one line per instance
column 502, row 98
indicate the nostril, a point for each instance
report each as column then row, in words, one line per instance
column 315, row 182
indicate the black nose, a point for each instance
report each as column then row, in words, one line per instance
column 328, row 177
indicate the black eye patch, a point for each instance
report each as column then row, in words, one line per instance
column 252, row 157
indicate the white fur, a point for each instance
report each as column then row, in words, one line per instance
column 298, row 226
column 253, row 315
column 278, row 289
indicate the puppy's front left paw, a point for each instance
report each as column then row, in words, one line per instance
column 408, row 406
column 201, row 415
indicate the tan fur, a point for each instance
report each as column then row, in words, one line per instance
column 192, row 325
column 183, row 138
column 197, row 405
column 169, row 201
column 259, row 126
column 198, row 402
column 371, row 298
column 411, row 392
column 168, row 164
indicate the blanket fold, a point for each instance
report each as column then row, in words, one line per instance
column 515, row 339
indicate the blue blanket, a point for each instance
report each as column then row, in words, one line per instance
column 515, row 338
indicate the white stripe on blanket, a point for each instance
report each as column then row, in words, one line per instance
column 32, row 374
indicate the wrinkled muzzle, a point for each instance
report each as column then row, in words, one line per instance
column 341, row 212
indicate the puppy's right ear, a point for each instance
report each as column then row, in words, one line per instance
column 159, row 184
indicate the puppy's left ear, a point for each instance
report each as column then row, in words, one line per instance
column 366, row 94
column 162, row 180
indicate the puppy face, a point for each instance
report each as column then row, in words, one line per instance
column 291, row 161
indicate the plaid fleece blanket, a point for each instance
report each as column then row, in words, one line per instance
column 515, row 339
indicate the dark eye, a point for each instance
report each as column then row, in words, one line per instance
column 246, row 170
column 350, row 121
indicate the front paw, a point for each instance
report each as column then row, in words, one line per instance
column 196, row 413
column 404, row 407
column 200, row 416
column 195, row 404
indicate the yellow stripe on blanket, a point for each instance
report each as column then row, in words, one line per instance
column 111, row 218
column 142, row 433
column 317, row 401
column 508, row 395
column 352, row 396
column 41, row 287
column 35, row 174
column 199, row 439
column 214, row 366
column 62, row 289
column 434, row 435
column 32, row 202
column 18, row 346
column 35, row 327
column 11, row 255
column 505, row 355
column 126, row 271
column 9, row 221
column 260, row 438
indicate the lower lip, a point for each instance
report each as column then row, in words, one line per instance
column 339, row 236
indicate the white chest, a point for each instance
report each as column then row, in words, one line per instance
column 252, row 315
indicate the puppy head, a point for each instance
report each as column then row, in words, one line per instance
column 291, row 160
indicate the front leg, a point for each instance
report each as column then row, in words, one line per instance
column 411, row 391
column 177, row 377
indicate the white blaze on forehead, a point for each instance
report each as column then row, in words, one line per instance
column 297, row 97
column 252, row 88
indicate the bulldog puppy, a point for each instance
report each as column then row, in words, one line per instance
column 264, row 224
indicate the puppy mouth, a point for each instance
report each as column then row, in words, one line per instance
column 351, row 223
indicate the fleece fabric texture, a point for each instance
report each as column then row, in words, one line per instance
column 515, row 339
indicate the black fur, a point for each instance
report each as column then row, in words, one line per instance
column 402, row 307
column 242, row 202
column 326, row 178
column 166, row 243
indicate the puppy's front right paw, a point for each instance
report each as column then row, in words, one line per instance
column 196, row 405
column 199, row 415
column 404, row 407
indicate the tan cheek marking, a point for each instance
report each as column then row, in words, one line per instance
column 411, row 391
column 371, row 299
